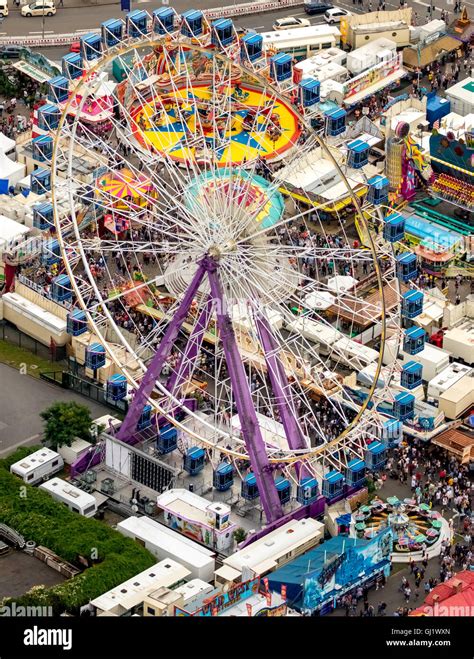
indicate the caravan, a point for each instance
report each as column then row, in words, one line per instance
column 39, row 466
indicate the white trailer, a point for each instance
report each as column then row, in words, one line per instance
column 434, row 360
column 72, row 497
column 445, row 380
column 458, row 399
column 354, row 354
column 163, row 542
column 38, row 467
column 460, row 341
column 370, row 55
column 314, row 331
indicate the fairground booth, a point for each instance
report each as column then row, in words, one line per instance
column 316, row 580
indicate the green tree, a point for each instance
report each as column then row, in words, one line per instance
column 240, row 534
column 64, row 422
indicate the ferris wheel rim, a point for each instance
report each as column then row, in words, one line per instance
column 289, row 456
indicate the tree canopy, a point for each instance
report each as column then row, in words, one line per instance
column 64, row 422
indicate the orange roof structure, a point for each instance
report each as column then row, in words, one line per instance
column 456, row 442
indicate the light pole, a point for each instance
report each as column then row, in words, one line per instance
column 42, row 22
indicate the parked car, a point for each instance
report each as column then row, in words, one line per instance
column 290, row 22
column 39, row 8
column 315, row 7
column 335, row 14
column 3, row 8
column 75, row 47
column 10, row 52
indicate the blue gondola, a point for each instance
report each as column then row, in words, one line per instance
column 145, row 418
column 222, row 32
column 333, row 484
column 41, row 181
column 357, row 154
column 335, row 121
column 394, row 228
column 223, row 477
column 404, row 406
column 392, row 432
column 355, row 472
column 51, row 252
column 406, row 266
column 72, row 66
column 43, row 216
column 61, row 289
column 281, row 67
column 414, row 340
column 251, row 47
column 410, row 377
column 192, row 23
column 378, row 190
column 163, row 20
column 249, row 488
column 167, row 440
column 58, row 89
column 283, row 488
column 193, row 461
column 48, row 116
column 307, row 490
column 116, row 387
column 376, row 455
column 137, row 23
column 91, row 46
column 112, row 32
column 42, row 147
column 95, row 356
column 76, row 322
column 412, row 304
column 309, row 91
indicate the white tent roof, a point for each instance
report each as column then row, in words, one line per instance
column 6, row 143
column 10, row 230
column 11, row 170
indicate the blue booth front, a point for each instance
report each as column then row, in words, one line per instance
column 249, row 488
column 223, row 477
column 116, row 387
column 222, row 32
column 163, row 20
column 410, row 377
column 357, row 154
column 335, row 121
column 95, row 356
column 112, row 32
column 414, row 340
column 333, row 485
column 193, row 460
column 404, row 406
column 394, row 228
column 376, row 455
column 378, row 190
column 406, row 267
column 61, row 288
column 76, row 322
column 71, row 65
column 192, row 23
column 307, row 490
column 251, row 47
column 355, row 472
column 167, row 440
column 412, row 304
column 43, row 216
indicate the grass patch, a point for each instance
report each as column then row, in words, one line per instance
column 20, row 357
column 111, row 557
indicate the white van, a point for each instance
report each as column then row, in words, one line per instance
column 335, row 14
column 3, row 8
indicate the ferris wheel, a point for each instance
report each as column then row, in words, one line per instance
column 195, row 260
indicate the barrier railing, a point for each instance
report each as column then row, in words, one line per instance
column 257, row 7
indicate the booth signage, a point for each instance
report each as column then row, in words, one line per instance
column 219, row 603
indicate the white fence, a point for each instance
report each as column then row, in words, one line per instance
column 219, row 12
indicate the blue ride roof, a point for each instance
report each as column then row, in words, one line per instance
column 424, row 230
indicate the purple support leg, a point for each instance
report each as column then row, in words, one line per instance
column 193, row 347
column 248, row 419
column 147, row 384
column 279, row 382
